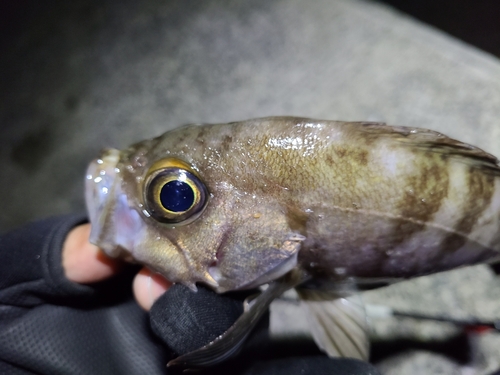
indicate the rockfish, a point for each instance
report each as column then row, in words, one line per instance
column 296, row 202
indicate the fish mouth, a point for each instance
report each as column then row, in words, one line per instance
column 99, row 187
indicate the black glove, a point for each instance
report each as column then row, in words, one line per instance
column 49, row 325
column 187, row 320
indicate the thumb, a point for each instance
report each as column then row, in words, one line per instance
column 186, row 320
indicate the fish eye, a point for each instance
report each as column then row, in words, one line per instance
column 173, row 192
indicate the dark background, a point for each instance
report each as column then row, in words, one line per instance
column 476, row 22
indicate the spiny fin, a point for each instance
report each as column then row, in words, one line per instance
column 339, row 326
column 436, row 142
column 231, row 341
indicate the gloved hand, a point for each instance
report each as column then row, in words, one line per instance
column 186, row 320
column 65, row 308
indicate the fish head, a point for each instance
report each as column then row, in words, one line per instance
column 180, row 206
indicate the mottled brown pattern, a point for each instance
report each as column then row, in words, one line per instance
column 329, row 160
column 297, row 219
column 343, row 186
column 481, row 189
column 201, row 134
column 424, row 192
column 226, row 143
column 355, row 155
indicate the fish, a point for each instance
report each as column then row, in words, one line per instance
column 325, row 207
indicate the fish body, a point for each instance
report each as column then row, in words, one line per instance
column 335, row 200
column 366, row 200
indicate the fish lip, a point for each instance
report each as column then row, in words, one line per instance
column 100, row 183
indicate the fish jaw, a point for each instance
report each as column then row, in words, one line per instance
column 99, row 184
column 111, row 217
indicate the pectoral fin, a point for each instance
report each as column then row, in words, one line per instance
column 339, row 326
column 231, row 341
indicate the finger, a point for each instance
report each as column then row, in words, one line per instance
column 148, row 287
column 83, row 262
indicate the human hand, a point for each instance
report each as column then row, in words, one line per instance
column 185, row 320
column 85, row 263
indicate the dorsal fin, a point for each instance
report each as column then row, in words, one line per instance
column 435, row 142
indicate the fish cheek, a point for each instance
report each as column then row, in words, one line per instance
column 163, row 253
column 256, row 249
column 186, row 253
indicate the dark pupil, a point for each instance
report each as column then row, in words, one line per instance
column 176, row 196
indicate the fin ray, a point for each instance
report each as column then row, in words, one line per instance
column 436, row 142
column 230, row 341
column 339, row 326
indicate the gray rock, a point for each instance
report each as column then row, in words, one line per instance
column 419, row 362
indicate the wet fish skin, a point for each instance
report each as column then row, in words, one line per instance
column 336, row 199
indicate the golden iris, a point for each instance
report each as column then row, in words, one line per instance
column 173, row 192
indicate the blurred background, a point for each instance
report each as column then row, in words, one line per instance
column 473, row 21
column 79, row 76
column 82, row 75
